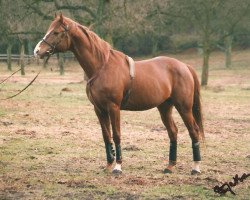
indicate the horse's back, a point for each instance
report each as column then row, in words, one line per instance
column 162, row 62
column 165, row 68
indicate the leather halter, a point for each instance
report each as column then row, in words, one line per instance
column 53, row 47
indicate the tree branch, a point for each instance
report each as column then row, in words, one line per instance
column 75, row 7
column 36, row 10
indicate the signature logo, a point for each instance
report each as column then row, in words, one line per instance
column 227, row 187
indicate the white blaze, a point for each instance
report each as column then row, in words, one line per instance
column 37, row 48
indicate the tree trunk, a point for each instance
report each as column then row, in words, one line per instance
column 99, row 17
column 60, row 63
column 206, row 44
column 30, row 51
column 22, row 62
column 9, row 64
column 45, row 62
column 154, row 47
column 108, row 11
column 205, row 67
column 228, row 51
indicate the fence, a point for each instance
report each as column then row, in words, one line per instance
column 14, row 57
column 30, row 58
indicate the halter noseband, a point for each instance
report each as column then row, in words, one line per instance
column 53, row 47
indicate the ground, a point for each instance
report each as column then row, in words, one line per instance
column 51, row 145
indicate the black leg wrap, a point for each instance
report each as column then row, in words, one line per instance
column 118, row 153
column 172, row 152
column 110, row 152
column 196, row 151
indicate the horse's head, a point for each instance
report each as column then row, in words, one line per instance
column 56, row 39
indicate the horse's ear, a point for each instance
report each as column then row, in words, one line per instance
column 90, row 27
column 61, row 18
column 55, row 15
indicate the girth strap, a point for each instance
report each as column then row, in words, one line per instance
column 131, row 63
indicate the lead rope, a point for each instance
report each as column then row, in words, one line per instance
column 10, row 76
column 23, row 88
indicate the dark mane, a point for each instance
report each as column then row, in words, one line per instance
column 99, row 47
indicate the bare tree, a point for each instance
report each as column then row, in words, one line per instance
column 207, row 18
column 233, row 15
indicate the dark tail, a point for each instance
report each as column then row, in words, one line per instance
column 197, row 109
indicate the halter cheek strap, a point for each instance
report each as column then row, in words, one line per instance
column 52, row 46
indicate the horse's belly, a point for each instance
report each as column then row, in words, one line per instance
column 146, row 98
column 138, row 107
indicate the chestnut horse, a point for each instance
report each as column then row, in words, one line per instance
column 117, row 83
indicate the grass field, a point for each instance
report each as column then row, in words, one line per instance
column 51, row 145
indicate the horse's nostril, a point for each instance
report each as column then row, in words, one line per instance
column 36, row 51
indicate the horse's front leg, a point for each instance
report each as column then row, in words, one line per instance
column 114, row 111
column 104, row 120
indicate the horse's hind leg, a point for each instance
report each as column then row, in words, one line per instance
column 165, row 110
column 193, row 130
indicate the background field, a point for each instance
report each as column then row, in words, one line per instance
column 51, row 145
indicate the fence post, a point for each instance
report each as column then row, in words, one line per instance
column 9, row 48
column 61, row 63
column 45, row 62
column 30, row 51
column 22, row 57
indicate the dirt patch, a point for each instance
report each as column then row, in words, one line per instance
column 135, row 181
column 131, row 148
column 77, row 184
column 66, row 90
column 25, row 132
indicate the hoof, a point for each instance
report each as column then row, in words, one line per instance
column 167, row 171
column 116, row 172
column 195, row 172
column 108, row 168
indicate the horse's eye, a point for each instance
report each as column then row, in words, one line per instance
column 55, row 33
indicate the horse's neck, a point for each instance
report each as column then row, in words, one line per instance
column 90, row 62
column 85, row 60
